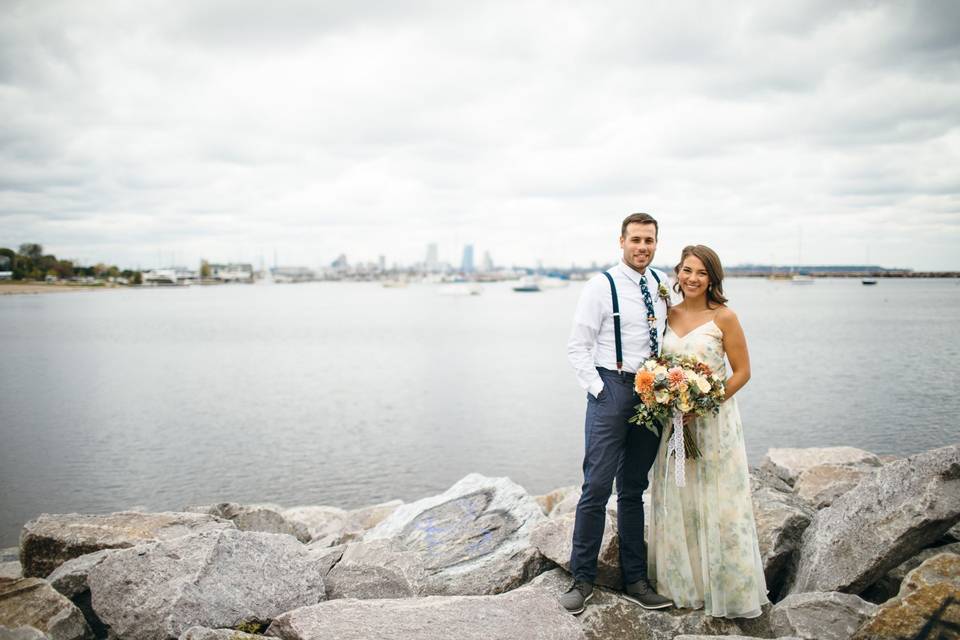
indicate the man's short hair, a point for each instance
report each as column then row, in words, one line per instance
column 639, row 218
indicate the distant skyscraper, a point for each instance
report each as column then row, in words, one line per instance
column 340, row 262
column 432, row 262
column 467, row 265
column 487, row 261
column 383, row 263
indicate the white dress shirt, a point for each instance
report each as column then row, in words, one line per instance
column 592, row 343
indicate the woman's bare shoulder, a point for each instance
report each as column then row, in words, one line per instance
column 725, row 317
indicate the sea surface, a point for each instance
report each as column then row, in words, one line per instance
column 349, row 394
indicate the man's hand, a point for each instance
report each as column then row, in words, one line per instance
column 688, row 418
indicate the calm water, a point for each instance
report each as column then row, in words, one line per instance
column 350, row 394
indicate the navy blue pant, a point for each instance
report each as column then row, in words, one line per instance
column 613, row 449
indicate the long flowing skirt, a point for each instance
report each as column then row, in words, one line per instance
column 703, row 549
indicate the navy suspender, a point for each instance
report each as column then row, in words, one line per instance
column 616, row 316
column 616, row 321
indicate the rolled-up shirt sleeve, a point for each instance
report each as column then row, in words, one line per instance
column 583, row 340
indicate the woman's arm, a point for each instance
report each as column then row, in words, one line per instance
column 735, row 344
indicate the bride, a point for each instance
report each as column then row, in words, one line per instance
column 703, row 549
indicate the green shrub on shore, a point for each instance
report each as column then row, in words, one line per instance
column 30, row 264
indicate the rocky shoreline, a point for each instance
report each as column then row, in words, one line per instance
column 854, row 546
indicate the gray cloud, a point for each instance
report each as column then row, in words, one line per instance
column 215, row 129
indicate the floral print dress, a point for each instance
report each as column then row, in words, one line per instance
column 702, row 549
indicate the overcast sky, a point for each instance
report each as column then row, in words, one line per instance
column 157, row 131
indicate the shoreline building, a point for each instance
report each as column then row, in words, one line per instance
column 232, row 272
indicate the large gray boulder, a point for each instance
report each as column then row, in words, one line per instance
column 781, row 519
column 214, row 579
column 326, row 557
column 50, row 540
column 927, row 606
column 819, row 486
column 202, row 633
column 554, row 539
column 70, row 578
column 377, row 569
column 333, row 526
column 689, row 637
column 611, row 616
column 820, row 616
column 31, row 602
column 21, row 633
column 255, row 517
column 886, row 519
column 788, row 464
column 889, row 586
column 522, row 613
column 324, row 525
column 954, row 532
column 474, row 539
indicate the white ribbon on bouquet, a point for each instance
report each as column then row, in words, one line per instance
column 676, row 447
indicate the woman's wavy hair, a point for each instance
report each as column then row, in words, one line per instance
column 711, row 261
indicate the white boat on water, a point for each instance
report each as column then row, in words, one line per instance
column 802, row 279
column 527, row 284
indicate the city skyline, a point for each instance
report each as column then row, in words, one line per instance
column 229, row 131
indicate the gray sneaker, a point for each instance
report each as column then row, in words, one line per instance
column 575, row 599
column 643, row 594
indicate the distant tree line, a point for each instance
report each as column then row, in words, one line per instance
column 30, row 263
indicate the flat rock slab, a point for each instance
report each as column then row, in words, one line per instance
column 819, row 486
column 474, row 539
column 609, row 616
column 50, row 540
column 21, row 633
column 788, row 464
column 554, row 539
column 820, row 616
column 929, row 598
column 202, row 633
column 213, row 579
column 886, row 519
column 689, row 637
column 31, row 602
column 518, row 614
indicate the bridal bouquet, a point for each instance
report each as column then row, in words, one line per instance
column 670, row 386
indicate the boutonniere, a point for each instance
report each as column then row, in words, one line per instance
column 664, row 293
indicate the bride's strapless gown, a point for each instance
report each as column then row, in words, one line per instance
column 702, row 549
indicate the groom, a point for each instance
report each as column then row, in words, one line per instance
column 619, row 323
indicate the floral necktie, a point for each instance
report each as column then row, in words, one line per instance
column 651, row 317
